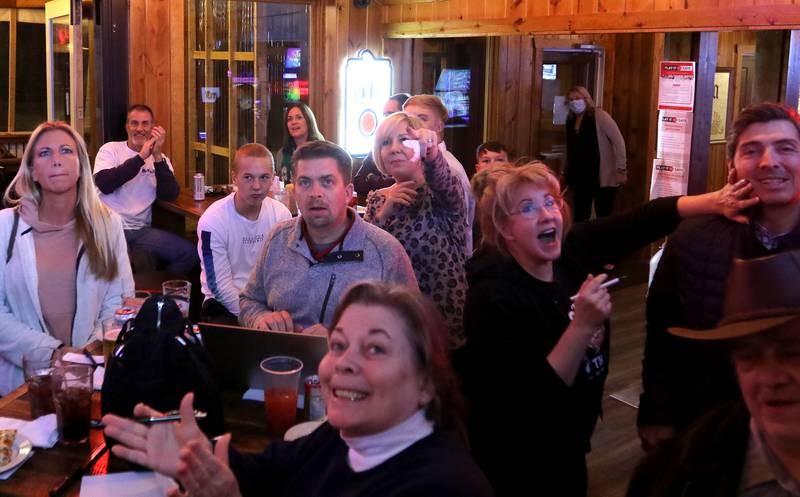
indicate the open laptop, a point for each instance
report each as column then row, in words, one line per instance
column 237, row 353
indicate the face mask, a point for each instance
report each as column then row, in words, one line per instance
column 577, row 106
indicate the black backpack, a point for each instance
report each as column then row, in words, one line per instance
column 157, row 360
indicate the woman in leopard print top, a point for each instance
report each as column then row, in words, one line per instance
column 425, row 211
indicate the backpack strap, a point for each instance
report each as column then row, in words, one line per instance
column 13, row 237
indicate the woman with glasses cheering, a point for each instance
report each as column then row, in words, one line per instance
column 527, row 335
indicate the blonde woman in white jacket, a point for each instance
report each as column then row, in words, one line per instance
column 64, row 264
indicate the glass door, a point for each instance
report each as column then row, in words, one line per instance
column 64, row 58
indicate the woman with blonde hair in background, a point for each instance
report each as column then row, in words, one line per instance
column 424, row 210
column 66, row 262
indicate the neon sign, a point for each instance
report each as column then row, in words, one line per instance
column 367, row 87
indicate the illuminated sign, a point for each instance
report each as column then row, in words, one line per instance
column 367, row 87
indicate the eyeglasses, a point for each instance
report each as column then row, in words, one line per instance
column 531, row 209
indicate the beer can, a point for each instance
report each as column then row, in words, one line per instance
column 314, row 406
column 199, row 186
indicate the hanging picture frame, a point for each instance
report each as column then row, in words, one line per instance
column 722, row 106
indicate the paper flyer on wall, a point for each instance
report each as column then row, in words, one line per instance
column 674, row 135
column 670, row 177
column 676, row 85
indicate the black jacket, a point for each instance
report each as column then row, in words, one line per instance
column 707, row 461
column 682, row 378
column 316, row 465
column 513, row 321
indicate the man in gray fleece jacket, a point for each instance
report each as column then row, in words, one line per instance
column 308, row 262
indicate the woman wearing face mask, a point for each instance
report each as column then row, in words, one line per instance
column 392, row 403
column 301, row 127
column 596, row 161
column 424, row 210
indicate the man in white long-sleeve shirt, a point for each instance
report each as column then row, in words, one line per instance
column 232, row 231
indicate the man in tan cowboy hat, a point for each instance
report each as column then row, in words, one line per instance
column 749, row 449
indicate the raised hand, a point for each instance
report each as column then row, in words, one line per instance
column 157, row 446
column 398, row 195
column 159, row 135
column 428, row 142
column 734, row 198
column 593, row 303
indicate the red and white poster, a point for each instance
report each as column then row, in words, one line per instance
column 674, row 135
column 676, row 85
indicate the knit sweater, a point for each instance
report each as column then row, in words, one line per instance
column 287, row 277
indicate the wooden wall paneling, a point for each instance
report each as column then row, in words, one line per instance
column 516, row 9
column 357, row 32
column 536, row 115
column 538, row 8
column 375, row 30
column 177, row 92
column 527, row 98
column 589, row 6
column 399, row 51
column 416, row 66
column 410, row 11
column 610, row 6
column 335, row 41
column 494, row 9
column 493, row 73
column 562, row 7
column 705, row 55
column 511, row 92
column 545, row 18
column 641, row 5
column 138, row 48
column 425, row 11
column 393, row 13
column 792, row 94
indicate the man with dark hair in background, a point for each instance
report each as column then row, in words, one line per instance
column 308, row 262
column 682, row 379
column 368, row 177
column 133, row 174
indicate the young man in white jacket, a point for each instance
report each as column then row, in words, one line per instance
column 232, row 231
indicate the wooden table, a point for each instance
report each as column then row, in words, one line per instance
column 48, row 467
column 173, row 215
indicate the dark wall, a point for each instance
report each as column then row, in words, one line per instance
column 112, row 20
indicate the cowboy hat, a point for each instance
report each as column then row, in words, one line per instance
column 760, row 294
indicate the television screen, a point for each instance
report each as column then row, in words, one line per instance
column 293, row 58
column 453, row 88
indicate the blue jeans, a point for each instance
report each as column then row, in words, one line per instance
column 176, row 254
